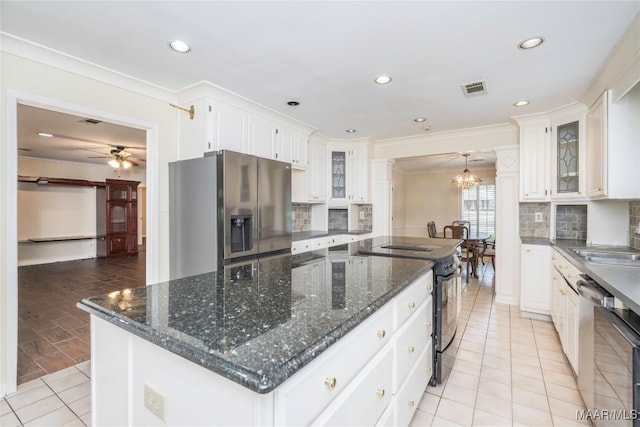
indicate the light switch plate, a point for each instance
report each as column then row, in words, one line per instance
column 154, row 401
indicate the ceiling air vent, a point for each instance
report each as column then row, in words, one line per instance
column 476, row 88
column 90, row 121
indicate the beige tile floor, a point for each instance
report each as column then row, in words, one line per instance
column 509, row 370
column 62, row 398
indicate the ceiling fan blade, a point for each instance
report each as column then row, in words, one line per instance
column 136, row 159
column 99, row 157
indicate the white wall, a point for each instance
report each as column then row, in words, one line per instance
column 38, row 77
column 47, row 211
column 429, row 196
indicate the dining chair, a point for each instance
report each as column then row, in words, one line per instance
column 489, row 252
column 431, row 229
column 469, row 250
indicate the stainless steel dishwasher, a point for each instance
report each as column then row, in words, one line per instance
column 616, row 397
column 591, row 295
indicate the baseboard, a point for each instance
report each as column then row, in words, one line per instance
column 51, row 260
column 536, row 316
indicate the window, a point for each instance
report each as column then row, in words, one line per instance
column 478, row 206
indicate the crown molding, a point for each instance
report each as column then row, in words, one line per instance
column 26, row 49
column 448, row 135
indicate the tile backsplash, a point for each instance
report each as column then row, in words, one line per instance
column 528, row 225
column 338, row 219
column 301, row 217
column 634, row 222
column 571, row 222
column 365, row 221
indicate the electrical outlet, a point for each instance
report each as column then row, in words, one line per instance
column 293, row 215
column 538, row 217
column 361, row 215
column 154, row 402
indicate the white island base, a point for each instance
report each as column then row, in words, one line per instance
column 375, row 375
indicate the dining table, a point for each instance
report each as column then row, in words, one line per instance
column 479, row 241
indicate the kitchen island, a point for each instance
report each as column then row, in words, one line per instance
column 327, row 337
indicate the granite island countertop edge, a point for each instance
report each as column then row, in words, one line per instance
column 260, row 383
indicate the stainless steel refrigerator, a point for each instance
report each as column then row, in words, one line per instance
column 227, row 207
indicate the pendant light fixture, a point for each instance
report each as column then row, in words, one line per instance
column 466, row 179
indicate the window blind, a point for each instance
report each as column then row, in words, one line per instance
column 478, row 206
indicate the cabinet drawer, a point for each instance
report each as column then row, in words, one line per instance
column 301, row 398
column 412, row 339
column 411, row 391
column 410, row 299
column 366, row 398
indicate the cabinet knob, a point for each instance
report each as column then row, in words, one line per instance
column 411, row 403
column 330, row 382
column 411, row 349
column 411, row 305
column 380, row 392
column 562, row 292
column 427, row 324
column 428, row 370
column 381, row 333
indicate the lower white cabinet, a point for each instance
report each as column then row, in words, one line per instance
column 535, row 294
column 565, row 302
column 365, row 399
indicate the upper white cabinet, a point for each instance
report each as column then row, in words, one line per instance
column 568, row 153
column 291, row 147
column 316, row 172
column 534, row 158
column 612, row 147
column 552, row 159
column 348, row 170
column 262, row 137
column 226, row 128
column 218, row 125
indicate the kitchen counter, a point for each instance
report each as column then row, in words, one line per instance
column 433, row 249
column 260, row 322
column 621, row 282
column 312, row 234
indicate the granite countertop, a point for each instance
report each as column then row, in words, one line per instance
column 622, row 282
column 433, row 249
column 259, row 322
column 312, row 234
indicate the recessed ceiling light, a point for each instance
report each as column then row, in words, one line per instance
column 420, row 119
column 293, row 103
column 47, row 135
column 531, row 43
column 383, row 80
column 521, row 103
column 180, row 46
column 350, row 131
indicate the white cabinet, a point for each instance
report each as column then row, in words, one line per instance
column 262, row 137
column 316, row 171
column 568, row 153
column 566, row 307
column 534, row 159
column 290, row 147
column 536, row 279
column 348, row 170
column 227, row 129
column 612, row 147
column 552, row 158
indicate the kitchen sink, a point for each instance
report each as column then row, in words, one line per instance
column 608, row 257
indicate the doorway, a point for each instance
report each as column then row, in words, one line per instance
column 13, row 101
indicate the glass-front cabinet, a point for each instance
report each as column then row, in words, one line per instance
column 339, row 175
column 568, row 155
column 568, row 152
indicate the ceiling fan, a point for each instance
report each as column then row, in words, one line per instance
column 120, row 158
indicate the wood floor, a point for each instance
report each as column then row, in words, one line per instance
column 53, row 333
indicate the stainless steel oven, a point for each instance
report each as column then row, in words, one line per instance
column 446, row 295
column 616, row 399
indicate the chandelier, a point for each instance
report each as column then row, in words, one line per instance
column 466, row 179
